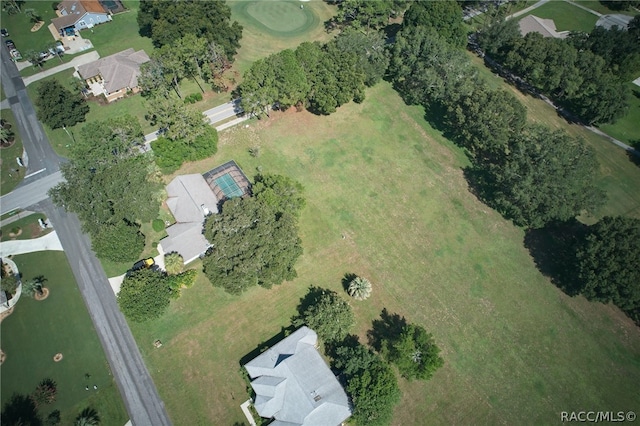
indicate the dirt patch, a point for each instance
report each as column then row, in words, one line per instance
column 44, row 295
column 6, row 313
column 57, row 357
column 37, row 26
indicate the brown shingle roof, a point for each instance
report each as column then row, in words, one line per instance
column 118, row 71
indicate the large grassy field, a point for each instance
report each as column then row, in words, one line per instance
column 599, row 7
column 517, row 350
column 566, row 16
column 36, row 331
column 19, row 26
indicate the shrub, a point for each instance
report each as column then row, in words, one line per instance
column 158, row 225
column 173, row 263
column 193, row 98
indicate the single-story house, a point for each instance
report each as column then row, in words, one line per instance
column 294, row 386
column 114, row 75
column 76, row 15
column 546, row 27
column 191, row 198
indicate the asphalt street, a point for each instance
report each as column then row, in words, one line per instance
column 136, row 387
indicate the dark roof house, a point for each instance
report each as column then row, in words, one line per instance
column 294, row 385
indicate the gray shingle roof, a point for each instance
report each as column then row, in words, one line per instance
column 295, row 386
column 546, row 27
column 119, row 71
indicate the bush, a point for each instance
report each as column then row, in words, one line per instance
column 193, row 98
column 177, row 282
column 158, row 225
column 144, row 295
column 173, row 263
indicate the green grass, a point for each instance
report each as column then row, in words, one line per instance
column 29, row 226
column 281, row 27
column 119, row 34
column 36, row 331
column 378, row 174
column 9, row 178
column 627, row 129
column 48, row 64
column 601, row 8
column 19, row 26
column 567, row 17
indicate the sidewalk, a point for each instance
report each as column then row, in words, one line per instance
column 77, row 61
column 48, row 242
column 15, row 217
column 528, row 9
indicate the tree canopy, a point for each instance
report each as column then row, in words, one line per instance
column 414, row 352
column 144, row 295
column 546, row 175
column 608, row 263
column 328, row 314
column 371, row 384
column 58, row 107
column 164, row 22
column 251, row 244
column 445, row 17
column 119, row 242
column 282, row 193
column 365, row 15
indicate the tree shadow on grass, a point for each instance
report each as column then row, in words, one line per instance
column 346, row 280
column 388, row 327
column 20, row 410
column 553, row 250
column 634, row 156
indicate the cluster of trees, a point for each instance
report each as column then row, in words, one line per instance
column 364, row 15
column 165, row 22
column 529, row 173
column 585, row 72
column 23, row 410
column 111, row 186
column 319, row 77
column 59, row 107
column 145, row 294
column 254, row 240
column 370, row 380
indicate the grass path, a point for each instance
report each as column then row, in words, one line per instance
column 379, row 174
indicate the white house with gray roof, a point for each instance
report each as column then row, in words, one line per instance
column 190, row 199
column 294, row 385
column 114, row 75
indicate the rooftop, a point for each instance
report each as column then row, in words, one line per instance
column 119, row 71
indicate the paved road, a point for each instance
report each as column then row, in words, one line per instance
column 136, row 386
column 134, row 381
column 213, row 115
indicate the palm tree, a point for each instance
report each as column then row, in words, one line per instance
column 5, row 134
column 87, row 417
column 34, row 286
column 45, row 393
column 173, row 263
column 359, row 288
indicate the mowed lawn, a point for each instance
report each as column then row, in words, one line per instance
column 36, row 331
column 517, row 350
column 9, row 179
column 271, row 26
column 566, row 16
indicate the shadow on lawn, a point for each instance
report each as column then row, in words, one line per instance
column 20, row 410
column 553, row 250
column 387, row 328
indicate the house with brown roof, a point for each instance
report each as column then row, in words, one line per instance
column 76, row 15
column 113, row 76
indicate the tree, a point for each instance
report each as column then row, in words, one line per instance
column 53, row 419
column 119, row 242
column 144, row 295
column 20, row 410
column 371, row 384
column 152, row 80
column 241, row 255
column 608, row 263
column 282, row 193
column 359, row 288
column 33, row 15
column 258, row 90
column 45, row 392
column 367, row 15
column 545, row 176
column 494, row 38
column 373, row 57
column 5, row 134
column 34, row 57
column 87, row 417
column 414, row 352
column 8, row 281
column 164, row 22
column 178, row 121
column 177, row 282
column 445, row 17
column 173, row 263
column 58, row 107
column 324, row 311
column 32, row 287
column 425, row 68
